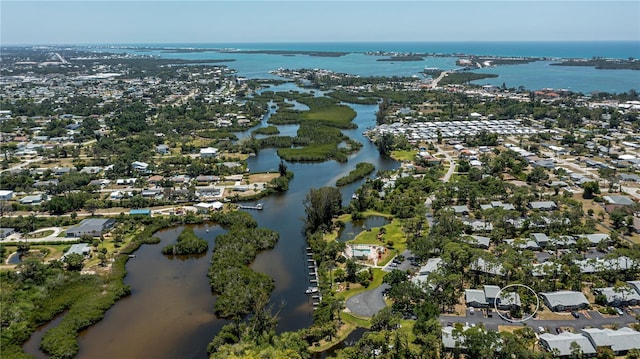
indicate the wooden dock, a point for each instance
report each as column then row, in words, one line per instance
column 257, row 207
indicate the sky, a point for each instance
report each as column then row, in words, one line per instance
column 26, row 22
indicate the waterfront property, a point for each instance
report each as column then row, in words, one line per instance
column 93, row 227
column 79, row 248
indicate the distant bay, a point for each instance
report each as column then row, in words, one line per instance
column 532, row 76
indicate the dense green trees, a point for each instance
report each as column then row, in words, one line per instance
column 187, row 243
column 362, row 169
column 320, row 206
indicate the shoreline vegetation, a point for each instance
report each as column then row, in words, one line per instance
column 84, row 297
column 602, row 64
column 361, row 171
column 319, row 136
column 187, row 243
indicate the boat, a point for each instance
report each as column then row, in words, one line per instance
column 311, row 290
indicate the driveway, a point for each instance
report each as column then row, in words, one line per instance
column 367, row 304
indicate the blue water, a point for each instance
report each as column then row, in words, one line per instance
column 532, row 76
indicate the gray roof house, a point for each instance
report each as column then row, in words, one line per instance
column 620, row 341
column 478, row 241
column 561, row 343
column 595, row 238
column 33, row 199
column 523, row 243
column 482, row 266
column 543, row 205
column 432, row 265
column 635, row 284
column 565, row 300
column 78, row 248
column 622, row 296
column 488, row 297
column 451, row 340
column 475, row 298
column 463, row 210
column 540, row 238
column 92, row 226
column 619, row 200
column 162, row 149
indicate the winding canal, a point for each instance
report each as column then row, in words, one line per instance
column 169, row 313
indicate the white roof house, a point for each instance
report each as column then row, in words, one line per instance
column 208, row 152
column 6, row 195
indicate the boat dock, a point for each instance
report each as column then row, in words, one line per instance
column 257, row 206
column 312, row 268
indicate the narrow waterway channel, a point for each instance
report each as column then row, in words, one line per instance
column 169, row 313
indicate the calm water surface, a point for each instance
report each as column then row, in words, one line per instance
column 170, row 311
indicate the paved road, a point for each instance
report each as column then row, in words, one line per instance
column 367, row 304
column 595, row 320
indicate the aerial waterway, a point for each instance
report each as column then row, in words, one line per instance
column 169, row 313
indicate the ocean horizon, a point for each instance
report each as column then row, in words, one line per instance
column 621, row 49
column 532, row 76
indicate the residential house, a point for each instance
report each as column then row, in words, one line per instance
column 478, row 225
column 155, row 180
column 45, row 184
column 451, row 339
column 561, row 344
column 140, row 166
column 565, row 300
column 432, row 265
column 140, row 212
column 491, row 296
column 620, row 341
column 482, row 266
column 540, row 238
column 619, row 297
column 33, row 200
column 208, row 152
column 162, row 149
column 92, row 226
column 497, row 204
column 595, row 238
column 461, row 210
column 91, row 169
column 543, row 205
column 523, row 243
column 619, row 200
column 6, row 195
column 59, row 171
column 205, row 207
column 79, row 248
column 478, row 241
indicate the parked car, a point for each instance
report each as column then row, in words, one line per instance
column 541, row 330
column 575, row 314
column 471, row 310
column 619, row 311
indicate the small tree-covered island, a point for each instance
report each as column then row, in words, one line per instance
column 437, row 217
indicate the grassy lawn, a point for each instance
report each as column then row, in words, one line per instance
column 407, row 156
column 394, row 233
column 42, row 234
column 378, row 274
